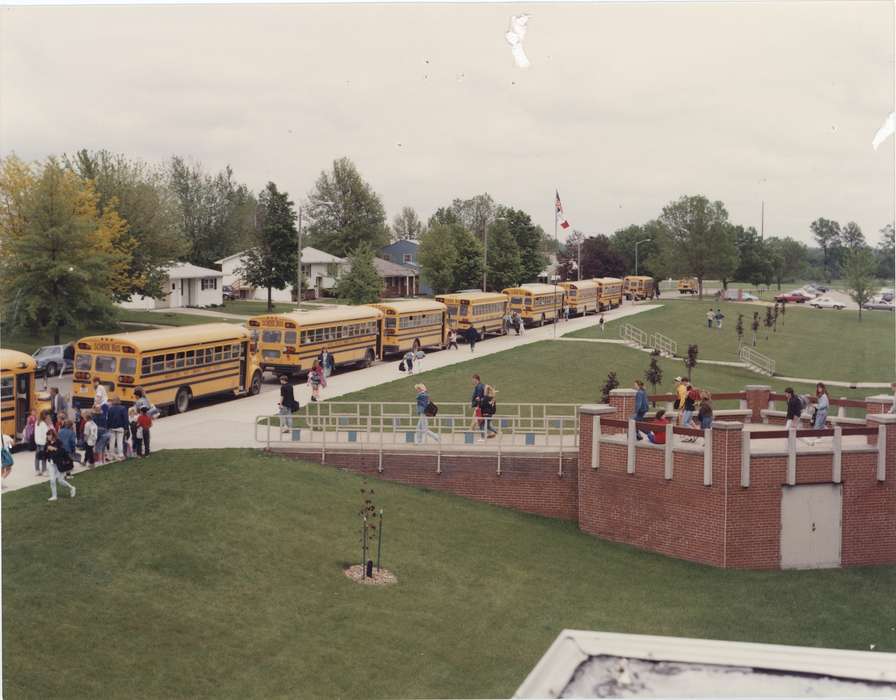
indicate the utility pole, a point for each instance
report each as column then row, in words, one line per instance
column 762, row 223
column 556, row 268
column 646, row 240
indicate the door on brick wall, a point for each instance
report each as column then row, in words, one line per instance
column 811, row 517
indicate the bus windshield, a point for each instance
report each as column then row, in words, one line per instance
column 452, row 309
column 464, row 308
column 270, row 336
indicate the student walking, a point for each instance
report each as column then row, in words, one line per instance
column 704, row 413
column 476, row 402
column 690, row 405
column 41, row 428
column 316, row 381
column 60, row 465
column 143, row 400
column 681, row 392
column 118, row 426
column 452, row 339
column 58, row 406
column 425, row 409
column 132, row 424
column 66, row 437
column 657, row 436
column 101, row 396
column 710, row 317
column 144, row 423
column 472, row 336
column 90, row 434
column 822, row 403
column 288, row 403
column 408, row 361
column 326, row 361
column 641, row 403
column 794, row 409
column 418, row 359
column 100, row 418
column 7, row 462
column 488, row 408
column 28, row 432
column 601, row 323
column 719, row 316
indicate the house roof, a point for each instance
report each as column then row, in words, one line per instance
column 310, row 256
column 391, row 269
column 179, row 271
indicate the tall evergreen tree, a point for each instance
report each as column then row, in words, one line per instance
column 529, row 240
column 271, row 262
column 451, row 258
column 827, row 234
column 504, row 268
column 344, row 212
column 361, row 284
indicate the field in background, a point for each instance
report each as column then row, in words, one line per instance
column 219, row 574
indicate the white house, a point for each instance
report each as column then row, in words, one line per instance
column 320, row 270
column 187, row 285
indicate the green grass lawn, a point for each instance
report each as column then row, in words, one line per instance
column 219, row 574
column 246, row 307
column 811, row 343
column 566, row 372
column 170, row 318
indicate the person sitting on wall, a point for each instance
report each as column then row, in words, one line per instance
column 657, row 436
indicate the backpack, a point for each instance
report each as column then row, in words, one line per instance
column 804, row 402
column 431, row 410
column 402, row 367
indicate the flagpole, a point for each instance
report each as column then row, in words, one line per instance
column 556, row 268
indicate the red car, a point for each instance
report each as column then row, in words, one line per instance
column 793, row 298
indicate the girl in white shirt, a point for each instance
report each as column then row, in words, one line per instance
column 40, row 440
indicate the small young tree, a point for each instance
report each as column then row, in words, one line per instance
column 775, row 319
column 611, row 383
column 755, row 326
column 783, row 310
column 368, row 515
column 691, row 360
column 769, row 320
column 654, row 373
column 739, row 329
column 859, row 275
column 361, row 284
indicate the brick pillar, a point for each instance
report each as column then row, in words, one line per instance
column 757, row 400
column 589, row 455
column 889, row 420
column 727, row 453
column 879, row 403
column 623, row 403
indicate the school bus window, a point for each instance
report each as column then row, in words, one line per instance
column 217, row 353
column 235, row 350
column 270, row 336
column 105, row 363
column 169, row 361
column 146, row 365
column 179, row 361
column 158, row 364
column 6, row 389
column 128, row 365
column 82, row 362
column 289, row 337
column 191, row 358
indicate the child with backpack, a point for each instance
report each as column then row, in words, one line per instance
column 316, row 380
column 144, row 423
column 426, row 409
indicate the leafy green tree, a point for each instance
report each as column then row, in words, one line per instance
column 851, row 237
column 504, row 268
column 786, row 258
column 141, row 196
column 406, row 226
column 654, row 373
column 827, row 234
column 697, row 240
column 611, row 383
column 529, row 240
column 858, row 273
column 361, row 284
column 217, row 212
column 690, row 361
column 438, row 257
column 753, row 258
column 344, row 212
column 476, row 213
column 271, row 261
column 443, row 215
column 886, row 253
column 67, row 263
column 623, row 240
column 470, row 262
column 598, row 259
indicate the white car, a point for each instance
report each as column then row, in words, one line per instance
column 827, row 303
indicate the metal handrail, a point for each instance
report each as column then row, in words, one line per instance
column 633, row 334
column 763, row 363
column 663, row 343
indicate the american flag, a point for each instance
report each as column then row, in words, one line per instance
column 558, row 209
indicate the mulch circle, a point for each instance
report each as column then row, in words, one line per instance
column 383, row 577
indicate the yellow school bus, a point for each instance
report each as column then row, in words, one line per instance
column 172, row 365
column 609, row 292
column 581, row 296
column 638, row 287
column 687, row 285
column 290, row 343
column 484, row 311
column 536, row 303
column 18, row 395
column 412, row 324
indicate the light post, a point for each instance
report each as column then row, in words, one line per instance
column 646, row 240
column 299, row 271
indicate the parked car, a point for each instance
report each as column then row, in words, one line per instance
column 227, row 293
column 794, row 297
column 820, row 287
column 54, row 359
column 887, row 295
column 739, row 295
column 827, row 303
column 879, row 304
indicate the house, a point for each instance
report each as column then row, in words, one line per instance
column 398, row 280
column 319, row 269
column 405, row 253
column 187, row 285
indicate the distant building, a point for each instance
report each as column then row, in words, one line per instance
column 319, row 269
column 547, row 275
column 405, row 253
column 398, row 280
column 187, row 285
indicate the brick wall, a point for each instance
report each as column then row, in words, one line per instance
column 527, row 483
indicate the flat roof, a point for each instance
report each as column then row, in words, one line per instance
column 579, row 284
column 160, row 338
column 321, row 316
column 405, row 306
column 535, row 288
column 12, row 359
column 472, row 296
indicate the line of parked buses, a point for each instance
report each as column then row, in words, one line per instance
column 177, row 365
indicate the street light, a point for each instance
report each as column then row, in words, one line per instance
column 299, row 271
column 646, row 240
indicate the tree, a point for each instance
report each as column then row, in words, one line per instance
column 786, row 258
column 442, row 215
column 623, row 240
column 755, row 326
column 361, row 284
column 690, row 362
column 504, row 268
column 851, row 237
column 141, row 196
column 529, row 240
column 739, row 329
column 886, row 253
column 406, row 226
column 66, row 263
column 450, row 258
column 476, row 213
column 827, row 235
column 344, row 212
column 598, row 259
column 568, row 261
column 611, row 383
column 775, row 319
column 696, row 240
column 753, row 260
column 217, row 212
column 859, row 275
column 654, row 373
column 769, row 320
column 17, row 179
column 272, row 260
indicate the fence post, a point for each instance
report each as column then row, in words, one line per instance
column 630, row 457
column 707, row 457
column 882, row 452
column 837, row 469
column 886, row 442
column 380, row 467
column 668, row 454
column 595, row 441
column 500, row 440
column 591, row 451
column 791, row 456
column 745, row 459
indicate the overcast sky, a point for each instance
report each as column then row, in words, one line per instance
column 624, row 108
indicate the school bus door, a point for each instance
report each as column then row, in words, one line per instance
column 244, row 361
column 379, row 336
column 23, row 401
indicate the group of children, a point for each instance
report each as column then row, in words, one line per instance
column 694, row 408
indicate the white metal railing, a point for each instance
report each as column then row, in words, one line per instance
column 392, row 426
column 633, row 334
column 757, row 360
column 664, row 344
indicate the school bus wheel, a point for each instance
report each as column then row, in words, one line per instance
column 182, row 399
column 255, row 386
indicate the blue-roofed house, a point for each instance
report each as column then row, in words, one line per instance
column 405, row 253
